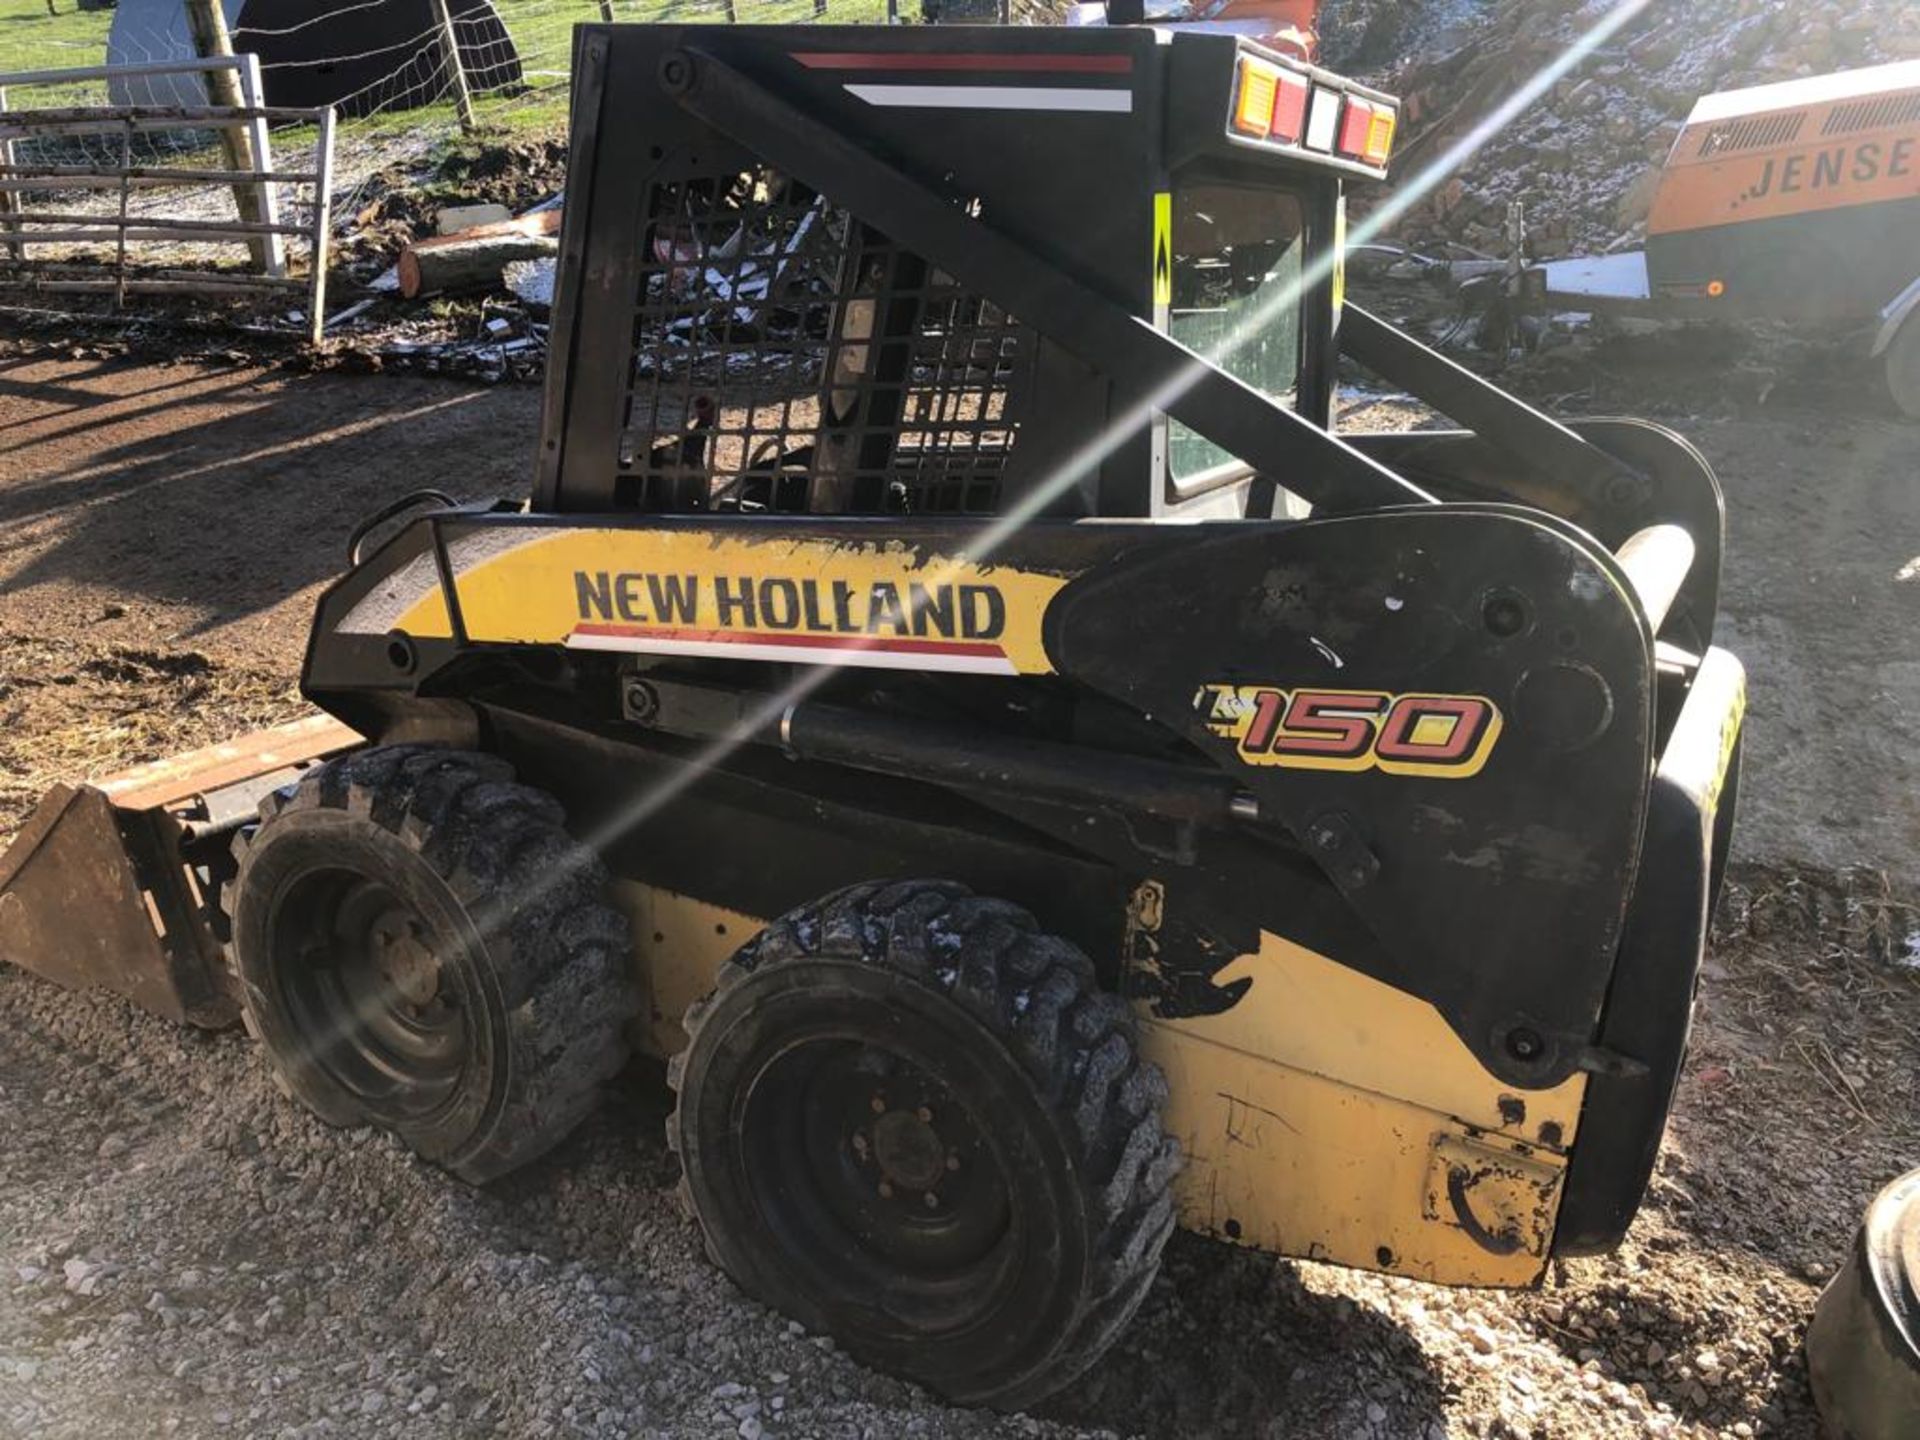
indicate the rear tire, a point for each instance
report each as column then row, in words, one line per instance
column 910, row 1119
column 423, row 948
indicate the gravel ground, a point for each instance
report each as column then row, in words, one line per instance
column 182, row 1252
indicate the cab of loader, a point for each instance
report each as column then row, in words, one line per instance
column 789, row 357
column 956, row 699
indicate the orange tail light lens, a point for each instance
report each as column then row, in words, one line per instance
column 1254, row 97
column 1380, row 135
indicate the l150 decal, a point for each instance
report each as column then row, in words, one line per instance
column 1444, row 736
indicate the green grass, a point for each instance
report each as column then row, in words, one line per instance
column 31, row 39
column 542, row 30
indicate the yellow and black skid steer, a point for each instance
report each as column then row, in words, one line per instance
column 953, row 696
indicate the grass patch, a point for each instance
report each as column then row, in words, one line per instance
column 542, row 31
column 31, row 39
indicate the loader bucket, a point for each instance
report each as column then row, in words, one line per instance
column 113, row 884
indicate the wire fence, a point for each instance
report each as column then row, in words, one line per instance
column 386, row 67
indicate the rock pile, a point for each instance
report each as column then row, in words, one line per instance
column 1585, row 158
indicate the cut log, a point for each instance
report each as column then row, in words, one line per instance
column 534, row 222
column 466, row 262
column 458, row 219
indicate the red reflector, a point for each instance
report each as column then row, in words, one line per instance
column 1355, row 122
column 1290, row 107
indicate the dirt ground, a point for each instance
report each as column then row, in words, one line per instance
column 182, row 1252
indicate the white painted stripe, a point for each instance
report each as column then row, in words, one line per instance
column 1812, row 90
column 796, row 654
column 996, row 97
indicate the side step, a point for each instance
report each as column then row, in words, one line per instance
column 113, row 884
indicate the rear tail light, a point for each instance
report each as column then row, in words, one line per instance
column 1380, row 134
column 1355, row 121
column 1277, row 103
column 1366, row 130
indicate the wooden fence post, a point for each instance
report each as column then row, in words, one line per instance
column 120, row 252
column 255, row 94
column 9, row 201
column 322, row 224
column 210, row 40
column 450, row 47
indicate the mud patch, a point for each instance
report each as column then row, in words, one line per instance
column 69, row 710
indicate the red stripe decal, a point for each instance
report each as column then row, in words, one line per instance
column 898, row 646
column 1055, row 64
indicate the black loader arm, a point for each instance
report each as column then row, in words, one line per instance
column 1489, row 846
column 1612, row 478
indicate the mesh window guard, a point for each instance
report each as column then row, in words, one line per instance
column 787, row 357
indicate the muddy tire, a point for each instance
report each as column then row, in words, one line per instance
column 422, row 947
column 911, row 1120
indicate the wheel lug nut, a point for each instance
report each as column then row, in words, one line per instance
column 953, row 1162
column 925, row 1115
column 886, row 1190
column 930, row 1200
column 879, row 1105
column 859, row 1144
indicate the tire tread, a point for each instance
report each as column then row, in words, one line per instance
column 1077, row 1044
column 560, row 953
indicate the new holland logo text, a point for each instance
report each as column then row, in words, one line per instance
column 783, row 617
column 950, row 612
column 1445, row 736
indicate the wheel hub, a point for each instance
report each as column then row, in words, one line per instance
column 404, row 958
column 877, row 1162
column 909, row 1150
column 361, row 975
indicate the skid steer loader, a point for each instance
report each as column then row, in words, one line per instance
column 953, row 696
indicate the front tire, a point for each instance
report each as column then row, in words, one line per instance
column 421, row 947
column 911, row 1120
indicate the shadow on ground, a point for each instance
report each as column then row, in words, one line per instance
column 1229, row 1343
column 226, row 491
column 1233, row 1343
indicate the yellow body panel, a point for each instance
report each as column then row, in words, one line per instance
column 1289, row 1162
column 1322, row 1113
column 1314, row 1015
column 680, row 943
column 686, row 590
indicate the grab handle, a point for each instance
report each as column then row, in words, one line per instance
column 380, row 517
